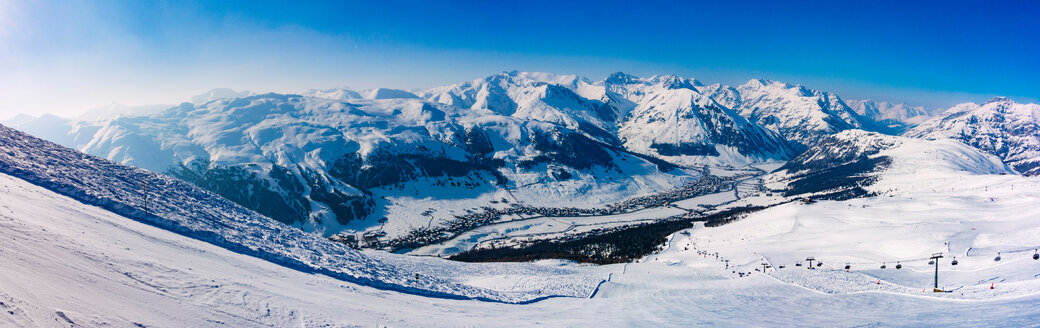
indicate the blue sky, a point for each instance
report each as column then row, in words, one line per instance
column 67, row 56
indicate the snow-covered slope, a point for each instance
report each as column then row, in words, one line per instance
column 1001, row 127
column 803, row 116
column 844, row 165
column 67, row 264
column 47, row 126
column 187, row 210
column 684, row 126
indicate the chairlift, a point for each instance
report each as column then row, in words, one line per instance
column 898, row 265
column 930, row 262
column 997, row 259
column 954, row 262
column 883, row 266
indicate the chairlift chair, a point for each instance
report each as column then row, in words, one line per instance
column 883, row 266
column 898, row 266
column 847, row 266
column 1036, row 255
column 954, row 262
column 997, row 259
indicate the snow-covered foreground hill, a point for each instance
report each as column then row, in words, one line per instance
column 180, row 207
column 69, row 264
column 1000, row 127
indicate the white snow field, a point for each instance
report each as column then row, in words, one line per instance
column 66, row 264
column 76, row 250
column 180, row 207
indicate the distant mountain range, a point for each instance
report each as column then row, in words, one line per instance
column 329, row 160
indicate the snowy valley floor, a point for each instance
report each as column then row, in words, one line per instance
column 67, row 264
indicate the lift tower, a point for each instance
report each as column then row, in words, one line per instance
column 935, row 257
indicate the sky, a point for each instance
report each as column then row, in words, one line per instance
column 67, row 56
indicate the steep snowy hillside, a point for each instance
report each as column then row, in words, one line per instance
column 803, row 116
column 1001, row 127
column 846, row 164
column 683, row 126
column 182, row 208
column 67, row 264
column 47, row 126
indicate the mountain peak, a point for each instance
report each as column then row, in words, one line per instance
column 998, row 99
column 619, row 78
column 218, row 93
column 385, row 93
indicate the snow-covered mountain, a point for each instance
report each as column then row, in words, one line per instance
column 78, row 249
column 400, row 162
column 1001, row 127
column 219, row 93
column 845, row 164
column 679, row 123
column 569, row 101
column 116, row 109
column 801, row 115
column 886, row 111
column 49, row 173
column 662, row 116
column 320, row 164
column 897, row 117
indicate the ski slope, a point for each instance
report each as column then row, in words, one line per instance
column 180, row 207
column 70, row 264
column 78, row 249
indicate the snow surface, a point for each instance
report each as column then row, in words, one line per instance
column 1000, row 126
column 180, row 207
column 68, row 264
column 673, row 118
